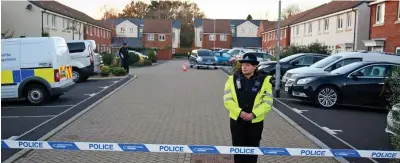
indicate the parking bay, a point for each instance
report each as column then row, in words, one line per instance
column 361, row 127
column 24, row 122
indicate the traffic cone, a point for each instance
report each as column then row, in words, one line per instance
column 186, row 63
column 184, row 68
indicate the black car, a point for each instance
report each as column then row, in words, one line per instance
column 291, row 62
column 359, row 83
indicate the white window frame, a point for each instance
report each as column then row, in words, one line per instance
column 122, row 30
column 397, row 48
column 150, row 36
column 161, row 37
column 326, row 24
column 298, row 30
column 98, row 32
column 398, row 12
column 48, row 20
column 349, row 20
column 319, row 26
column 87, row 29
column 211, row 37
column 285, row 33
column 131, row 29
column 305, row 29
column 339, row 22
column 222, row 37
column 381, row 12
column 201, row 35
column 310, row 28
column 91, row 30
column 53, row 21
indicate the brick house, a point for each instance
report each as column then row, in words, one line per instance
column 384, row 27
column 216, row 36
column 100, row 34
column 158, row 34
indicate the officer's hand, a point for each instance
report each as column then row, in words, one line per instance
column 243, row 114
column 249, row 117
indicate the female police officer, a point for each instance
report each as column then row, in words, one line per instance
column 248, row 97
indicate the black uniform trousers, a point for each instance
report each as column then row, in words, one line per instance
column 125, row 64
column 245, row 133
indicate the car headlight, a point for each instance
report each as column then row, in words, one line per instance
column 305, row 80
column 199, row 59
column 216, row 59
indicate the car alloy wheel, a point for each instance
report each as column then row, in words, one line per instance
column 327, row 97
column 75, row 76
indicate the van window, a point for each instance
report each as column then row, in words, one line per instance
column 76, row 47
column 326, row 61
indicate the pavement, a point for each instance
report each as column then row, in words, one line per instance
column 342, row 127
column 21, row 121
column 166, row 105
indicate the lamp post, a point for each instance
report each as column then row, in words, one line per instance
column 215, row 36
column 278, row 66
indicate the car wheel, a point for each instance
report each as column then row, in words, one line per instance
column 36, row 94
column 326, row 97
column 191, row 66
column 198, row 67
column 215, row 67
column 77, row 75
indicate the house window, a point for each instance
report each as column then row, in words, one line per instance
column 87, row 29
column 326, row 24
column 222, row 37
column 53, row 21
column 48, row 20
column 379, row 13
column 131, row 30
column 340, row 22
column 397, row 49
column 122, row 29
column 98, row 32
column 319, row 26
column 91, row 31
column 348, row 20
column 398, row 12
column 150, row 36
column 297, row 30
column 161, row 37
column 233, row 31
column 201, row 35
column 285, row 33
column 310, row 28
column 304, row 27
column 211, row 37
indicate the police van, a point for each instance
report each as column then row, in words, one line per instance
column 36, row 68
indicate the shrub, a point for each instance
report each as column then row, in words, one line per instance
column 105, row 71
column 235, row 66
column 147, row 62
column 118, row 71
column 394, row 89
column 108, row 58
column 314, row 47
column 133, row 58
column 152, row 56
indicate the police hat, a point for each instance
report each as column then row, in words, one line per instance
column 249, row 58
column 124, row 43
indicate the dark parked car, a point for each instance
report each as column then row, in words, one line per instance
column 203, row 58
column 291, row 62
column 358, row 83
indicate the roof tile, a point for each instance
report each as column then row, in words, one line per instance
column 157, row 26
column 221, row 26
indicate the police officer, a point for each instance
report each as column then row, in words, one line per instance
column 248, row 97
column 124, row 55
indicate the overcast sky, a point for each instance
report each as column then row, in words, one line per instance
column 219, row 9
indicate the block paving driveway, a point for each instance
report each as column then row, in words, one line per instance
column 165, row 105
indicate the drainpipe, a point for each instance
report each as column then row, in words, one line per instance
column 355, row 28
column 42, row 22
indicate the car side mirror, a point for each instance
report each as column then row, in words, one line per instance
column 357, row 74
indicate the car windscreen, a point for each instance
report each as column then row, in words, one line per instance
column 261, row 55
column 76, row 47
column 347, row 68
column 290, row 57
column 205, row 53
column 326, row 61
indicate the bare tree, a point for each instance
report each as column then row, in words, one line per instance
column 109, row 13
column 6, row 35
column 290, row 10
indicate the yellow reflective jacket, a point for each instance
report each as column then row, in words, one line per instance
column 262, row 103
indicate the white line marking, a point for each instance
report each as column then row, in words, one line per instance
column 44, row 106
column 60, row 114
column 299, row 111
column 290, row 99
column 105, row 87
column 330, row 131
column 38, row 116
column 341, row 140
column 13, row 138
column 91, row 95
column 115, row 82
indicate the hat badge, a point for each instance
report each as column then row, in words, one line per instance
column 247, row 57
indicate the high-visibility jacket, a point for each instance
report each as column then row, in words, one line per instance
column 262, row 103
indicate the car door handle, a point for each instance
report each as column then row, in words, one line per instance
column 381, row 83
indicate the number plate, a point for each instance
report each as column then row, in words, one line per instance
column 286, row 89
column 209, row 63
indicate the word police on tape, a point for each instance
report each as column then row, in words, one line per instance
column 198, row 149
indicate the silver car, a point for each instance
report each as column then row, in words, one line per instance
column 203, row 58
column 393, row 120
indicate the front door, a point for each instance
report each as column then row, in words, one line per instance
column 368, row 88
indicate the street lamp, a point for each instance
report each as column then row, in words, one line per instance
column 215, row 36
column 278, row 66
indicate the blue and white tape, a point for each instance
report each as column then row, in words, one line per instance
column 199, row 149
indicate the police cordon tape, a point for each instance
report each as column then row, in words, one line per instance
column 198, row 149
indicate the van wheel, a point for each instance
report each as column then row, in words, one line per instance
column 77, row 75
column 36, row 94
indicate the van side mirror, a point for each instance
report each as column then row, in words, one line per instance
column 357, row 74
